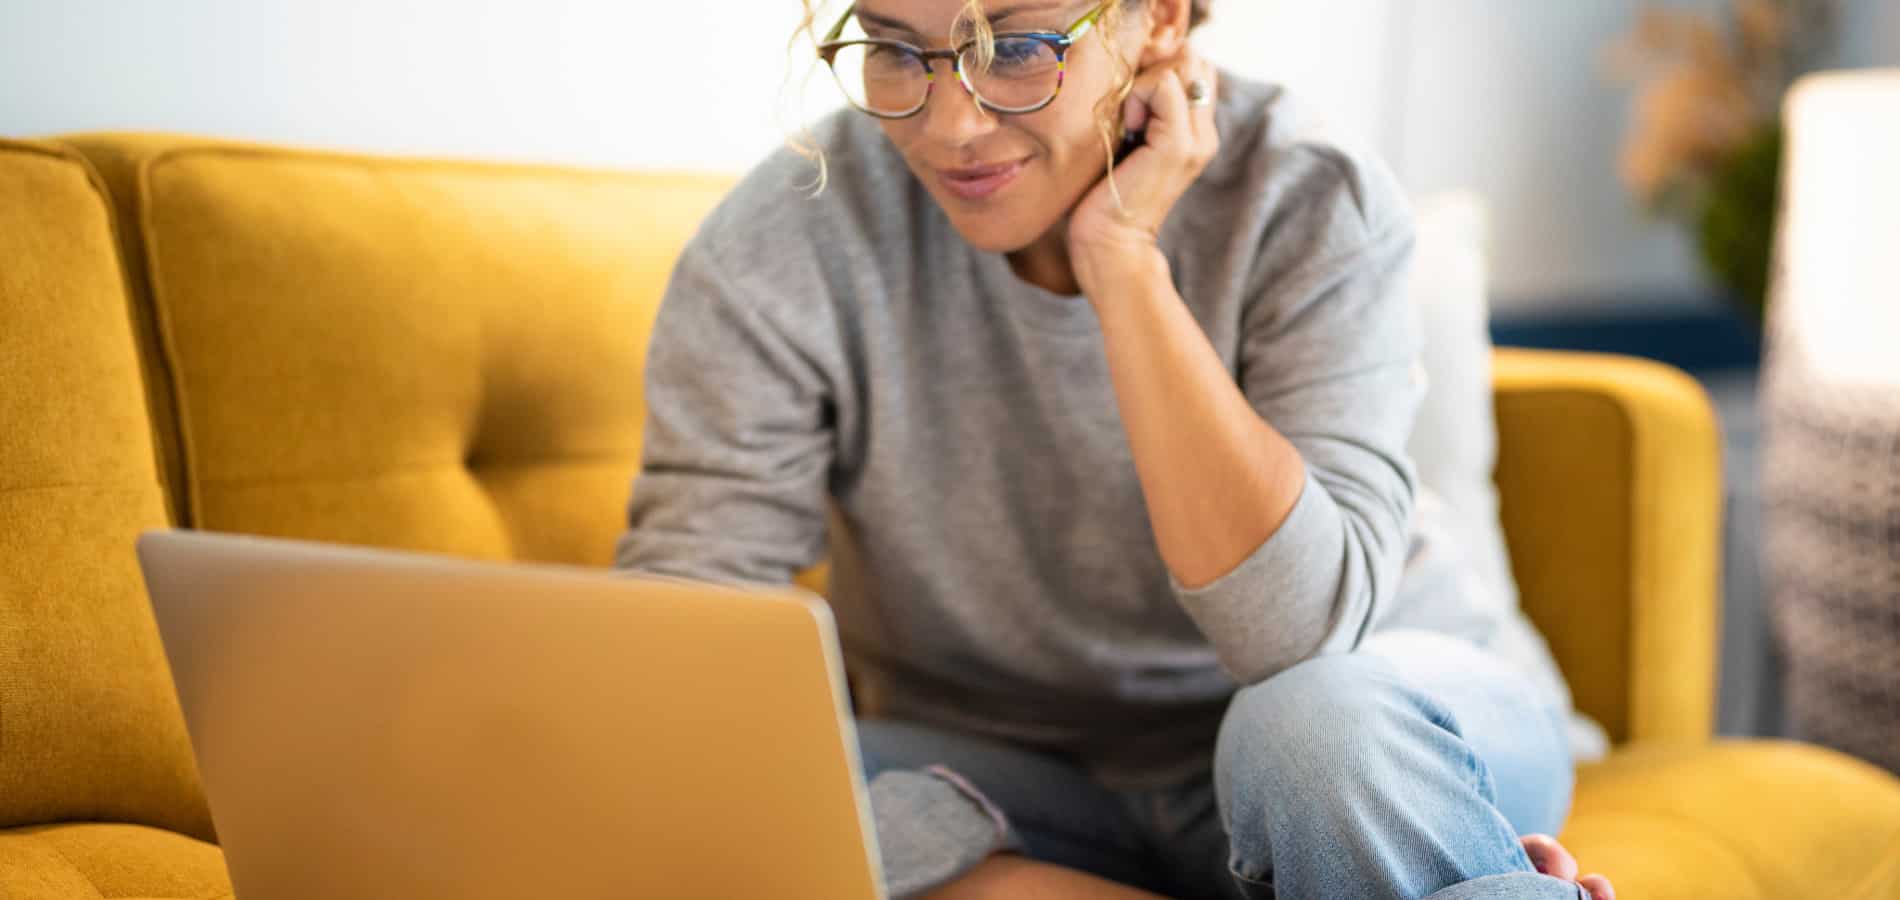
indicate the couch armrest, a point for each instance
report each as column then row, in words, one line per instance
column 1609, row 474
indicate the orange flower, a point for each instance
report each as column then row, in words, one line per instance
column 1703, row 88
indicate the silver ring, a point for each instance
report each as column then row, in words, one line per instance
column 1198, row 94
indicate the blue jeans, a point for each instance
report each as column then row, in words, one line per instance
column 1406, row 769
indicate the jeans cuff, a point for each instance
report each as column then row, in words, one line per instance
column 1513, row 886
column 1006, row 836
column 933, row 827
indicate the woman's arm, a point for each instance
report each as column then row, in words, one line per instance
column 1217, row 478
column 1280, row 500
column 738, row 442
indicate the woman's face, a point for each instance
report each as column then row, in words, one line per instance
column 1004, row 180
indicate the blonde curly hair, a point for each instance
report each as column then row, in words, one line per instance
column 973, row 24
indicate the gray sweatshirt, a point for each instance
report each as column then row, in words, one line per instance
column 847, row 375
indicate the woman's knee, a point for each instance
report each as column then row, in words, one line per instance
column 1309, row 715
column 1292, row 747
column 1314, row 730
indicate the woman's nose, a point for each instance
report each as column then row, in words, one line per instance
column 951, row 115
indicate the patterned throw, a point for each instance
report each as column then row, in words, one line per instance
column 1831, row 487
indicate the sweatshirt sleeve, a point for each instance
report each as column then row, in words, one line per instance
column 1329, row 358
column 738, row 442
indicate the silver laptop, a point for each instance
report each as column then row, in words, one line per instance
column 371, row 724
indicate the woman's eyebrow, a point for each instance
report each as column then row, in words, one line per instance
column 995, row 17
column 884, row 22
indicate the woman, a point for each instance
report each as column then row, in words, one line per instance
column 1114, row 475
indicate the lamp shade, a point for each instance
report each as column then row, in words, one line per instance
column 1840, row 240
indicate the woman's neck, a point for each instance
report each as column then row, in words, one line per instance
column 1045, row 263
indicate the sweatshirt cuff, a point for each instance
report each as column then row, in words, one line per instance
column 1277, row 607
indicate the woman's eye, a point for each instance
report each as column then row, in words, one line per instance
column 886, row 59
column 1016, row 52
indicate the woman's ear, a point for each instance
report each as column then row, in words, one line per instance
column 1166, row 26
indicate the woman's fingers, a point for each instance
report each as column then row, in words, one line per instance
column 1134, row 113
column 1141, row 95
column 1204, row 114
column 1549, row 856
column 1180, row 140
column 1158, row 105
column 1135, row 109
column 1598, row 886
column 1169, row 125
column 1552, row 859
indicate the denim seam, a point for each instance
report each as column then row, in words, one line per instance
column 1005, row 835
column 1265, row 880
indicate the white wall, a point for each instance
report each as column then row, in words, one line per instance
column 1509, row 98
column 564, row 81
column 1871, row 33
column 1502, row 95
column 588, row 81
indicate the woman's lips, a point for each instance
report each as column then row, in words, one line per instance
column 981, row 182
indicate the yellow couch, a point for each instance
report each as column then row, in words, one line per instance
column 447, row 356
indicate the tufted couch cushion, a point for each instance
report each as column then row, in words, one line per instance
column 89, row 727
column 109, row 862
column 1755, row 819
column 437, row 356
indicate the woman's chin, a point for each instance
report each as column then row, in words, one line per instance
column 995, row 237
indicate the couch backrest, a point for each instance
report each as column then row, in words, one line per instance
column 435, row 356
column 89, row 726
column 448, row 357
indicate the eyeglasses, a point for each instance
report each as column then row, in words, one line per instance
column 892, row 79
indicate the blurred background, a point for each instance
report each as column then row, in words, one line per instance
column 1527, row 104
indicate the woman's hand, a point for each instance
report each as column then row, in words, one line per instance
column 1552, row 859
column 1181, row 140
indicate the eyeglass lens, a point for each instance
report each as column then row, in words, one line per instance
column 890, row 80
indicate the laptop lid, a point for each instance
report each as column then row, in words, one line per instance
column 372, row 724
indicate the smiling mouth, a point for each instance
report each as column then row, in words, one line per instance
column 981, row 182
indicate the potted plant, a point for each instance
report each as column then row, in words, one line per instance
column 1704, row 147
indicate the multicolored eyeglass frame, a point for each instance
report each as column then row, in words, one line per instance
column 829, row 48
